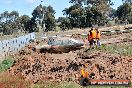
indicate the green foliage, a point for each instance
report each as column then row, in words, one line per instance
column 64, row 23
column 124, row 12
column 82, row 13
column 94, row 17
column 9, row 22
column 49, row 19
column 122, row 50
column 76, row 15
column 80, row 2
column 30, row 25
column 86, row 13
column 43, row 15
column 7, row 63
column 127, row 1
column 12, row 23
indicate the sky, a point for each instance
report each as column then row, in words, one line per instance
column 25, row 7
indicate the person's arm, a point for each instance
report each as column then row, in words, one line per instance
column 88, row 37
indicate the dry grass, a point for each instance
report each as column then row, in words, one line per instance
column 6, row 37
column 10, row 81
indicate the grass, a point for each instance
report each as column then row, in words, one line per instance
column 7, row 80
column 70, row 85
column 125, row 50
column 6, row 37
column 12, row 81
column 6, row 64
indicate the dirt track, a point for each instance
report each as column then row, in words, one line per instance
column 66, row 67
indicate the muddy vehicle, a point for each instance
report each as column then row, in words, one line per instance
column 60, row 45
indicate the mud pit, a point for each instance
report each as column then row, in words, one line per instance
column 66, row 67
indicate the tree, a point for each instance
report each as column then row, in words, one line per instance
column 12, row 23
column 9, row 22
column 64, row 23
column 24, row 19
column 43, row 15
column 49, row 18
column 85, row 13
column 124, row 12
column 102, row 5
column 75, row 14
column 38, row 12
column 31, row 25
column 112, row 13
column 127, row 1
column 38, row 16
column 79, row 2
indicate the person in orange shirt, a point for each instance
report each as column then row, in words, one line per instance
column 92, row 38
column 98, row 35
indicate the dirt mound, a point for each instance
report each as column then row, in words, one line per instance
column 109, row 66
column 42, row 67
column 39, row 66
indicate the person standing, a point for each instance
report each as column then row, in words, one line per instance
column 92, row 38
column 98, row 35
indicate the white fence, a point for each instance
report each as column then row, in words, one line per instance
column 12, row 46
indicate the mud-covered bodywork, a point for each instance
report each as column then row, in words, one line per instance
column 61, row 45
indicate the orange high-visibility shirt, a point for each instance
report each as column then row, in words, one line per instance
column 98, row 35
column 84, row 74
column 93, row 34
